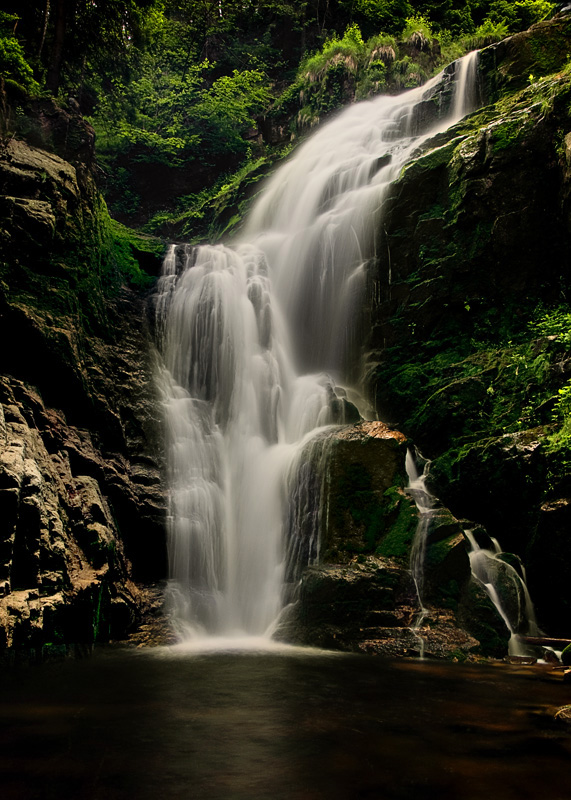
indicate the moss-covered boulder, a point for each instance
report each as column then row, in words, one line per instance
column 370, row 605
column 367, row 510
column 542, row 50
column 353, row 518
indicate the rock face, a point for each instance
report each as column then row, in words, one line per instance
column 80, row 506
column 360, row 593
column 80, row 482
column 466, row 354
column 64, row 573
column 364, row 492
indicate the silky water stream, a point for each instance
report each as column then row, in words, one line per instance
column 259, row 345
column 261, row 349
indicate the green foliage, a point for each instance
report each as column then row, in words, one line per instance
column 553, row 322
column 226, row 110
column 125, row 247
column 163, row 117
column 417, row 25
column 375, row 15
column 487, row 33
column 14, row 66
column 216, row 210
column 521, row 14
column 556, row 324
column 184, row 85
column 347, row 51
column 473, row 388
column 378, row 44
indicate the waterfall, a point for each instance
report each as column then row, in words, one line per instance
column 261, row 349
column 424, row 503
column 506, row 587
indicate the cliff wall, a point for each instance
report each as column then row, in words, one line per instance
column 81, row 496
column 469, row 351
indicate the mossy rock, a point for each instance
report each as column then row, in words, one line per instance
column 478, row 615
column 400, row 518
column 446, row 570
column 367, row 510
column 541, row 50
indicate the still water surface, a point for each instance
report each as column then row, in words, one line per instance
column 292, row 725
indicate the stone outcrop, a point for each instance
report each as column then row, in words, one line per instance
column 81, row 495
column 371, row 606
column 82, row 507
column 359, row 594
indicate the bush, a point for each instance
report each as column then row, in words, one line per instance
column 417, row 25
column 487, row 33
column 521, row 14
column 349, row 51
column 14, row 67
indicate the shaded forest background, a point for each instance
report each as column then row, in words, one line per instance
column 192, row 101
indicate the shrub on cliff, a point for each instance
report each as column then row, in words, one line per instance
column 16, row 74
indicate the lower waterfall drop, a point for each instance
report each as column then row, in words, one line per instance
column 424, row 504
column 260, row 347
column 505, row 584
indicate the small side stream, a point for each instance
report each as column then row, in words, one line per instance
column 502, row 575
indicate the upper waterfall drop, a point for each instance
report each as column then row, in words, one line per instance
column 258, row 341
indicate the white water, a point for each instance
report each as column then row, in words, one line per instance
column 500, row 580
column 257, row 341
column 425, row 503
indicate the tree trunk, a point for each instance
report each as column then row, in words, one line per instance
column 54, row 70
column 44, row 29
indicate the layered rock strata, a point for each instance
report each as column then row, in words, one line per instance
column 81, row 496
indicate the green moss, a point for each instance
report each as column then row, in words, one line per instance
column 358, row 500
column 550, row 48
column 507, row 134
column 433, row 159
column 397, row 540
column 217, row 210
column 126, row 254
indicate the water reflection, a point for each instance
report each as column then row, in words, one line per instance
column 245, row 725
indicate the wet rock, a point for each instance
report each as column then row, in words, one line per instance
column 447, row 568
column 563, row 716
column 466, row 225
column 539, row 51
column 366, row 508
column 338, row 604
column 64, row 567
column 549, row 565
column 479, row 617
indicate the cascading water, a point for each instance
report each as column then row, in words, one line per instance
column 506, row 586
column 257, row 342
column 424, row 503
